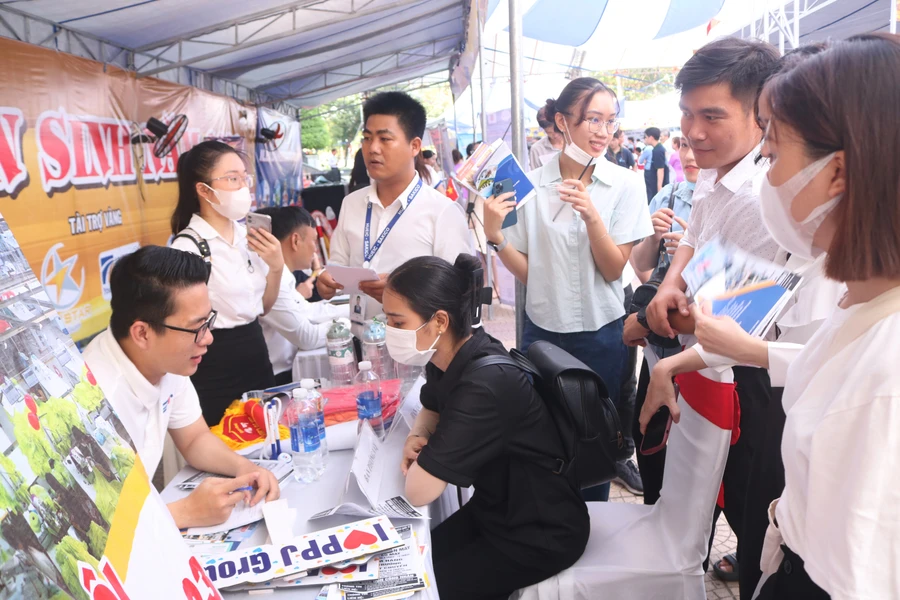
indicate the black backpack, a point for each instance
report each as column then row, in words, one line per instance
column 577, row 399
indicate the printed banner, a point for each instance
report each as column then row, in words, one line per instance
column 74, row 187
column 78, row 516
column 311, row 551
column 279, row 161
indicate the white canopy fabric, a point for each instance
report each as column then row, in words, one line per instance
column 302, row 53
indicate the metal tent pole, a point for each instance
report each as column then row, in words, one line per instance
column 488, row 258
column 518, row 127
column 893, row 20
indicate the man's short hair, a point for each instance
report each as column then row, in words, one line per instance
column 652, row 132
column 142, row 284
column 287, row 219
column 743, row 64
column 409, row 112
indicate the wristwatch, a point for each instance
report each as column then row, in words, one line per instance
column 498, row 248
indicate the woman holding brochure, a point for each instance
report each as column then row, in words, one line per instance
column 833, row 533
column 572, row 242
column 245, row 272
column 480, row 427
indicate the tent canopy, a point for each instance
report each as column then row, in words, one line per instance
column 301, row 53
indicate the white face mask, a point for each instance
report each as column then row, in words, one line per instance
column 775, row 205
column 232, row 205
column 401, row 345
column 572, row 150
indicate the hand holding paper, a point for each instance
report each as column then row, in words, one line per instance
column 350, row 277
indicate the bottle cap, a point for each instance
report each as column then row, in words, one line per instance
column 308, row 384
column 300, row 394
column 365, row 366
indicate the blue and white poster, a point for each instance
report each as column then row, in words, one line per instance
column 279, row 159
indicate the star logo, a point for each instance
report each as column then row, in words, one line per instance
column 58, row 280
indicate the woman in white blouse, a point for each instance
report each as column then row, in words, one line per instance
column 573, row 240
column 246, row 267
column 834, row 533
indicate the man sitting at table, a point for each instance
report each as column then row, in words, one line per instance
column 158, row 334
column 294, row 323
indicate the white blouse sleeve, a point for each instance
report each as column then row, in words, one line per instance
column 781, row 355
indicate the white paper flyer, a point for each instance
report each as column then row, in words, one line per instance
column 375, row 485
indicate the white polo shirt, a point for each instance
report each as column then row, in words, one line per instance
column 431, row 225
column 238, row 278
column 146, row 410
column 294, row 324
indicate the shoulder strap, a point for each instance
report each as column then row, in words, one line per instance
column 672, row 196
column 864, row 319
column 499, row 359
column 557, row 466
column 202, row 245
column 662, row 243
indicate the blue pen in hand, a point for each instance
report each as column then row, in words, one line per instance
column 246, row 488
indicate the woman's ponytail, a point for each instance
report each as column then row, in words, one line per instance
column 195, row 166
column 430, row 284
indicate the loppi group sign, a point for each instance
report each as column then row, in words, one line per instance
column 74, row 189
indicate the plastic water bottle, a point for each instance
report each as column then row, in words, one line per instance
column 306, row 449
column 339, row 342
column 310, row 386
column 374, row 350
column 368, row 398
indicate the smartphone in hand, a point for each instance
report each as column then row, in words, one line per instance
column 501, row 187
column 259, row 221
column 656, row 436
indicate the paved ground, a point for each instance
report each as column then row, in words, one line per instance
column 503, row 327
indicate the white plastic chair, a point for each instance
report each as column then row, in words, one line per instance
column 656, row 552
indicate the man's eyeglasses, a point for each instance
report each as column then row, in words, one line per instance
column 200, row 332
column 236, row 182
column 594, row 124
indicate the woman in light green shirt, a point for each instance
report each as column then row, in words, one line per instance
column 572, row 241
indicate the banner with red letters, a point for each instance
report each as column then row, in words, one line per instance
column 75, row 188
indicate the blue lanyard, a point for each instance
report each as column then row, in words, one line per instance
column 369, row 253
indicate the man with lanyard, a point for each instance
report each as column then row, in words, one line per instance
column 374, row 230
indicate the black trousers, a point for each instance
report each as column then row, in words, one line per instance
column 468, row 567
column 236, row 362
column 766, row 483
column 791, row 582
column 653, row 466
column 754, row 391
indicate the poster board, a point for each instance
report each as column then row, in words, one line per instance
column 73, row 186
column 78, row 516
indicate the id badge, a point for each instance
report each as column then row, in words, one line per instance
column 358, row 309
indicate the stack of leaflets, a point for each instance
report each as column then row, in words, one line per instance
column 396, row 573
column 308, row 556
column 725, row 281
column 367, row 560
